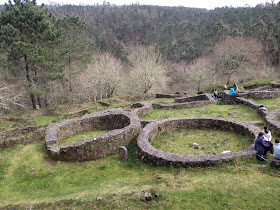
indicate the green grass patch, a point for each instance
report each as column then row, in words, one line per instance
column 211, row 141
column 28, row 176
column 238, row 112
column 270, row 104
column 5, row 125
column 259, row 82
column 79, row 136
column 48, row 119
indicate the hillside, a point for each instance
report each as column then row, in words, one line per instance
column 29, row 178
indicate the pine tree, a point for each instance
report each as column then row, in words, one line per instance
column 27, row 34
column 76, row 45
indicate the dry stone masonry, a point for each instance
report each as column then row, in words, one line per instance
column 272, row 119
column 186, row 102
column 26, row 135
column 148, row 154
column 123, row 153
column 124, row 125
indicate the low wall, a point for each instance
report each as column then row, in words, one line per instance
column 202, row 97
column 272, row 120
column 235, row 99
column 148, row 154
column 254, row 94
column 21, row 136
column 125, row 126
column 275, row 84
column 142, row 108
column 182, row 105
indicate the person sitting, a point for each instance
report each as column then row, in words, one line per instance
column 261, row 147
column 232, row 91
column 216, row 94
column 235, row 87
column 267, row 134
column 276, row 149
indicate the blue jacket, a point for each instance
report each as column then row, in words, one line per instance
column 231, row 91
column 261, row 144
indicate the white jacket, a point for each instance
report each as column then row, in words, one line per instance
column 267, row 136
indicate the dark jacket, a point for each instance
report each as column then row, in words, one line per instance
column 261, row 144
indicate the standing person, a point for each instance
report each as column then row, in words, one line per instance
column 261, row 146
column 235, row 87
column 276, row 149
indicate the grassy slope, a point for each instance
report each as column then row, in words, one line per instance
column 270, row 104
column 28, row 176
column 210, row 141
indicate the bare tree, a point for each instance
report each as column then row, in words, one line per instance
column 101, row 79
column 201, row 73
column 8, row 97
column 148, row 70
column 235, row 55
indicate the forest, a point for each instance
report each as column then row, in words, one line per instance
column 64, row 54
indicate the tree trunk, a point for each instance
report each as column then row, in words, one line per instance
column 39, row 101
column 33, row 99
column 70, row 76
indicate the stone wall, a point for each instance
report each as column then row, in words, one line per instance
column 235, row 99
column 182, row 105
column 202, row 97
column 254, row 94
column 272, row 120
column 253, row 105
column 142, row 108
column 22, row 136
column 125, row 126
column 148, row 154
column 275, row 84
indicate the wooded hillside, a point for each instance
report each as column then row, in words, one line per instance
column 74, row 54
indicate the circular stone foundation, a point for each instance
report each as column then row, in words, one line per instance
column 125, row 126
column 272, row 119
column 148, row 154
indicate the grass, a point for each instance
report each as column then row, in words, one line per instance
column 210, row 141
column 241, row 85
column 259, row 82
column 5, row 125
column 270, row 104
column 238, row 112
column 28, row 176
column 48, row 119
column 79, row 136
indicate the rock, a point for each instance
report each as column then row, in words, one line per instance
column 275, row 163
column 195, row 145
column 230, row 114
column 99, row 197
column 123, row 154
column 225, row 152
column 147, row 196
